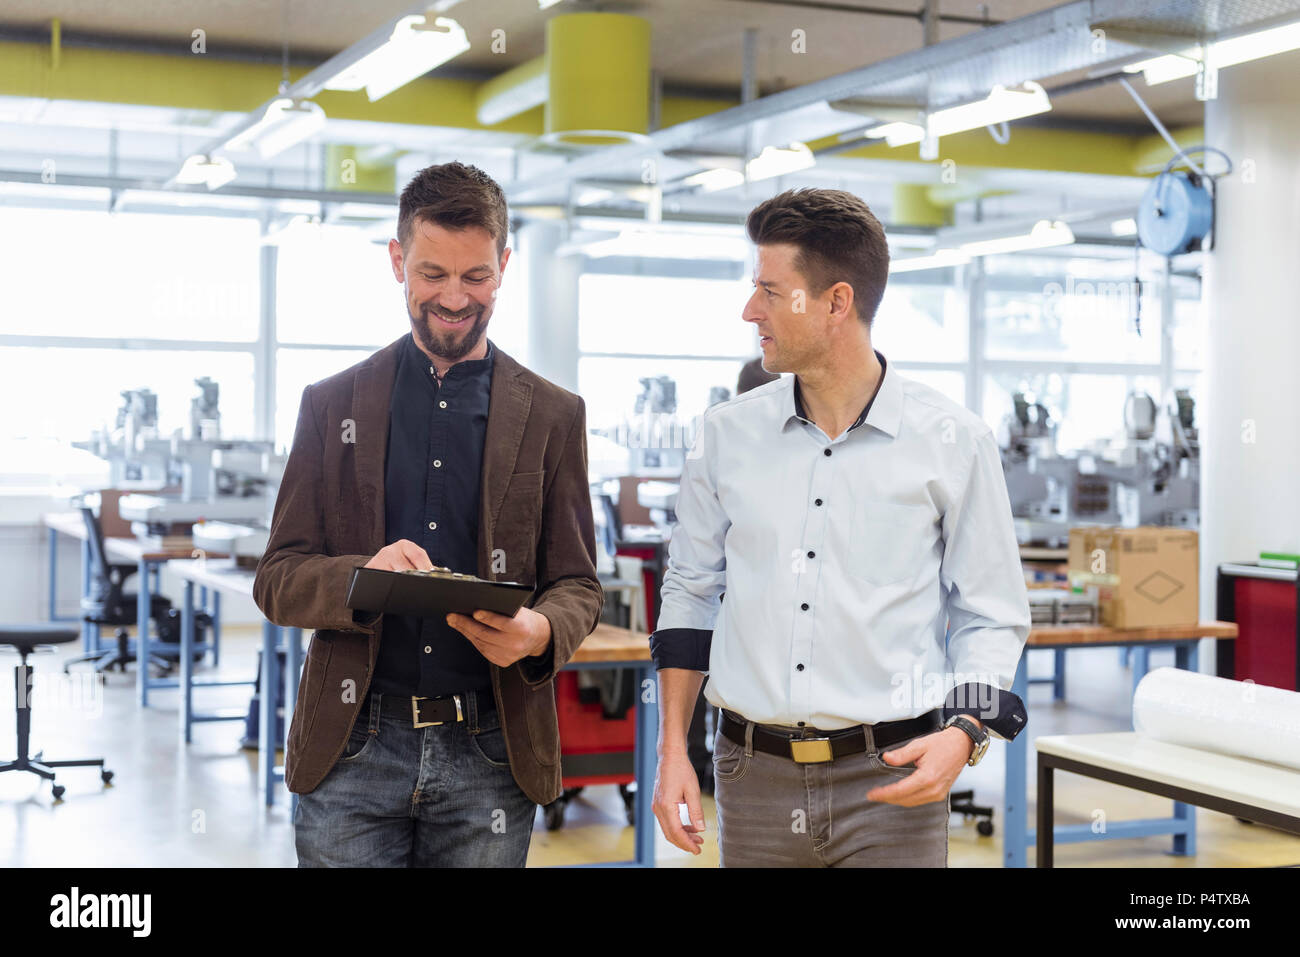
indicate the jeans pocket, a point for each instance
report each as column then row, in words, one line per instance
column 490, row 741
column 899, row 770
column 729, row 760
column 359, row 739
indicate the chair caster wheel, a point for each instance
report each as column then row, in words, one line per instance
column 106, row 776
column 985, row 828
column 58, row 790
column 554, row 815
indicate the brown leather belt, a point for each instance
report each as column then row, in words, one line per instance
column 812, row 746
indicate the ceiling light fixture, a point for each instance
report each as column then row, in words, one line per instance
column 203, row 170
column 1221, row 53
column 415, row 47
column 286, row 122
column 778, row 161
column 1044, row 233
column 1000, row 106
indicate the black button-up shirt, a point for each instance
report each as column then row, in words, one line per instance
column 431, row 497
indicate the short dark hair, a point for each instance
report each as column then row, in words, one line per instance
column 454, row 196
column 838, row 237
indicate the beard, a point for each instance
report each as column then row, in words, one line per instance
column 451, row 344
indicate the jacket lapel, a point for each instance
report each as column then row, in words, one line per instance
column 371, row 398
column 511, row 398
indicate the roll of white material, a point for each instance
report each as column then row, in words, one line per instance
column 1217, row 714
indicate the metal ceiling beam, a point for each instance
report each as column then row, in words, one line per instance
column 1034, row 47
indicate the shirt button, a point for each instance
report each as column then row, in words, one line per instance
column 428, row 649
column 812, row 554
column 804, row 606
column 826, row 452
column 798, row 667
column 817, row 501
column 442, row 404
column 433, row 526
column 437, row 463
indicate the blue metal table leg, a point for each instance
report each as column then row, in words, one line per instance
column 89, row 632
column 647, row 735
column 216, row 627
column 53, row 538
column 187, row 663
column 142, row 606
column 1015, row 813
column 266, row 716
column 292, row 673
column 1141, row 662
column 1185, row 656
column 1058, row 676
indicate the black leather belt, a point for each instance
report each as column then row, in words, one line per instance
column 812, row 745
column 426, row 712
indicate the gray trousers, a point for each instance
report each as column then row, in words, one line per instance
column 775, row 812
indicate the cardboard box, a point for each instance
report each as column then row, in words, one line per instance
column 1143, row 576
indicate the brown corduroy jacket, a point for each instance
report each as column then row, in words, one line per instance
column 535, row 526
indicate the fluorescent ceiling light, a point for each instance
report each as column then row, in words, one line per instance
column 1044, row 234
column 285, row 123
column 415, row 47
column 1230, row 52
column 203, row 170
column 940, row 260
column 712, row 180
column 1000, row 106
column 776, row 161
column 1124, row 227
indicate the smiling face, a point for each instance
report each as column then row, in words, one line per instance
column 791, row 322
column 451, row 277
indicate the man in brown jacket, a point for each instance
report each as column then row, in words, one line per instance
column 419, row 742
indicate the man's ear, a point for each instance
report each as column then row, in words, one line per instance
column 398, row 259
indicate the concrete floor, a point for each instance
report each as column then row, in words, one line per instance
column 197, row 806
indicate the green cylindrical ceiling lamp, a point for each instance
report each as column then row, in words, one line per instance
column 344, row 170
column 913, row 206
column 598, row 70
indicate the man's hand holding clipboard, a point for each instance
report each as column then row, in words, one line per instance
column 501, row 639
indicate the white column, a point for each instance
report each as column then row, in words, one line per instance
column 552, row 283
column 1250, row 428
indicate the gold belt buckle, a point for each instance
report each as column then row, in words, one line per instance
column 810, row 750
column 415, row 713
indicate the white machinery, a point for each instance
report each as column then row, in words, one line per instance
column 1151, row 478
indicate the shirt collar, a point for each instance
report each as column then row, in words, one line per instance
column 883, row 411
column 465, row 367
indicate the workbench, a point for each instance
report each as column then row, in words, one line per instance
column 1016, row 834
column 1254, row 790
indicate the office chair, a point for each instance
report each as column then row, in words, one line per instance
column 25, row 639
column 107, row 604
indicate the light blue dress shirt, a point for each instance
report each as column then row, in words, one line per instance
column 870, row 577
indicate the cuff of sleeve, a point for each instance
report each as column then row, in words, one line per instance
column 1002, row 712
column 538, row 669
column 365, row 619
column 681, row 648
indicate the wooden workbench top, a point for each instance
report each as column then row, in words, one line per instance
column 1048, row 635
column 611, row 643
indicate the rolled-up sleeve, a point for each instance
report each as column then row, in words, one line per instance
column 987, row 602
column 696, row 572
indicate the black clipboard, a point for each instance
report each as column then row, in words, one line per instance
column 429, row 595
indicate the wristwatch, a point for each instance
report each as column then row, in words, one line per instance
column 979, row 735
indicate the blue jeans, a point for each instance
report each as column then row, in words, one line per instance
column 441, row 796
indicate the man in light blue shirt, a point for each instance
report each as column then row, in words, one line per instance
column 875, row 609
